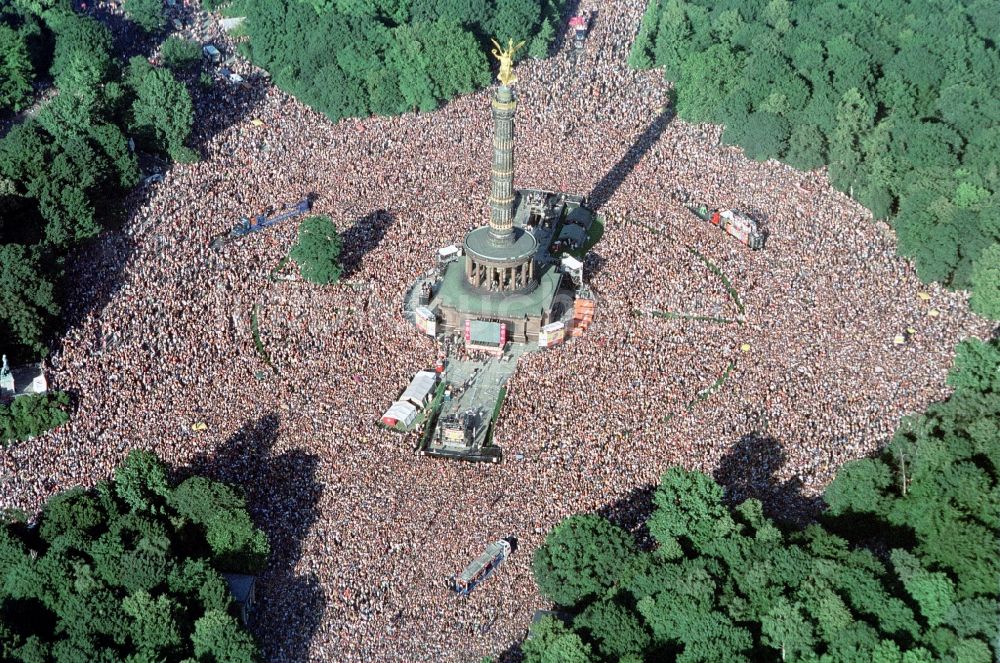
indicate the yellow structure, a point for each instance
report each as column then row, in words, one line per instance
column 506, row 58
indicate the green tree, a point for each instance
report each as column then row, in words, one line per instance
column 31, row 415
column 218, row 637
column 162, row 113
column 855, row 115
column 389, row 56
column 762, row 135
column 641, row 55
column 231, row 535
column 455, row 61
column 539, row 46
column 689, row 508
column 154, row 623
column 112, row 142
column 786, row 628
column 82, row 59
column 466, row 12
column 934, row 592
column 512, row 18
column 618, row 631
column 673, row 31
column 551, row 642
column 317, row 252
column 179, row 54
column 141, row 481
column 408, row 58
column 806, row 147
column 706, row 79
column 974, row 369
column 16, row 70
column 582, row 557
column 27, row 298
column 23, row 155
column 985, row 298
column 104, row 581
column 147, row 14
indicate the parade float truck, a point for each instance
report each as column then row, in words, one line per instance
column 260, row 222
column 743, row 228
column 481, row 567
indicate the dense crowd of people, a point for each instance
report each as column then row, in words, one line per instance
column 365, row 533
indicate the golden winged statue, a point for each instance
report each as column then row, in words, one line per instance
column 506, row 58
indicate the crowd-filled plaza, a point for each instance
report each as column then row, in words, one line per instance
column 365, row 533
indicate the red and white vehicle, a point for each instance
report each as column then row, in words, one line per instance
column 739, row 226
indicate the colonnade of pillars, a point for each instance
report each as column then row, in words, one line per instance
column 492, row 277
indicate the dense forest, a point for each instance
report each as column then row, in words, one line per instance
column 129, row 570
column 900, row 568
column 896, row 97
column 353, row 58
column 76, row 120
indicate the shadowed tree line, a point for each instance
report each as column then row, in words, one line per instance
column 354, row 58
column 129, row 570
column 76, row 119
column 899, row 566
column 896, row 97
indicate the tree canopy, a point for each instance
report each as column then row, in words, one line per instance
column 66, row 167
column 353, row 58
column 180, row 54
column 32, row 415
column 147, row 14
column 129, row 570
column 317, row 253
column 896, row 97
column 901, row 566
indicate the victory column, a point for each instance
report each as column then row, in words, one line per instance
column 514, row 287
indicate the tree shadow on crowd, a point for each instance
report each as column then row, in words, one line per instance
column 128, row 38
column 364, row 235
column 631, row 511
column 512, row 654
column 217, row 108
column 282, row 495
column 612, row 180
column 749, row 469
column 569, row 10
column 223, row 105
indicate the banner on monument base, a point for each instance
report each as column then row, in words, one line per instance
column 551, row 334
column 426, row 320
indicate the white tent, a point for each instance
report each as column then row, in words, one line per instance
column 420, row 388
column 570, row 263
column 400, row 412
column 447, row 252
